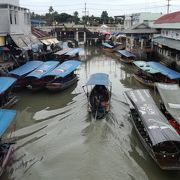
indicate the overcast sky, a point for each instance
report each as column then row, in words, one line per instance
column 95, row 7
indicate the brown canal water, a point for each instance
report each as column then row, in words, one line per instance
column 57, row 140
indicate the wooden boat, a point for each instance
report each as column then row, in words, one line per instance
column 6, row 148
column 61, row 55
column 36, row 78
column 107, row 47
column 21, row 72
column 68, row 54
column 161, row 141
column 7, row 99
column 98, row 92
column 152, row 72
column 126, row 56
column 63, row 76
column 170, row 104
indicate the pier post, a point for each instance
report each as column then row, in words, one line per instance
column 84, row 37
column 77, row 35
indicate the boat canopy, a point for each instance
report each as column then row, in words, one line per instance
column 155, row 67
column 43, row 69
column 6, row 83
column 107, row 45
column 165, row 70
column 155, row 123
column 6, row 117
column 99, row 79
column 64, row 69
column 170, row 95
column 126, row 53
column 145, row 67
column 26, row 68
column 73, row 51
column 63, row 51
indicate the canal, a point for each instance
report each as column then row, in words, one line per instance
column 57, row 140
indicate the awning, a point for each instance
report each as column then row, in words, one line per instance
column 64, row 69
column 99, row 79
column 107, row 45
column 50, row 41
column 126, row 53
column 155, row 123
column 170, row 95
column 6, row 117
column 23, row 41
column 26, row 68
column 171, row 43
column 5, row 83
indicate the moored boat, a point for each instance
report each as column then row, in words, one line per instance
column 6, row 148
column 7, row 98
column 170, row 103
column 126, row 56
column 107, row 47
column 151, row 72
column 63, row 76
column 98, row 92
column 21, row 72
column 36, row 78
column 161, row 141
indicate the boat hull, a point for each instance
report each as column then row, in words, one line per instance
column 6, row 159
column 108, row 50
column 142, row 81
column 61, row 86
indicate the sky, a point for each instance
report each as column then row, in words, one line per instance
column 95, row 7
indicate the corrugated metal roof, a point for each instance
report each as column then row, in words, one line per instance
column 140, row 29
column 167, row 26
column 171, row 43
column 169, row 18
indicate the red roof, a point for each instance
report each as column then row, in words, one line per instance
column 169, row 18
column 39, row 33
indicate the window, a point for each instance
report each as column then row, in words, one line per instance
column 10, row 16
column 16, row 17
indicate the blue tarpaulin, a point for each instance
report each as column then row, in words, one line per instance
column 107, row 45
column 99, row 79
column 165, row 70
column 6, row 82
column 43, row 69
column 126, row 53
column 6, row 117
column 64, row 69
column 74, row 51
column 26, row 68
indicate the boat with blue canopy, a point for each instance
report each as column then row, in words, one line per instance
column 157, row 135
column 6, row 148
column 63, row 76
column 98, row 91
column 126, row 56
column 21, row 72
column 36, row 78
column 7, row 99
column 107, row 47
column 152, row 72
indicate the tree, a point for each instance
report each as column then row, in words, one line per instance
column 51, row 10
column 104, row 17
column 75, row 17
